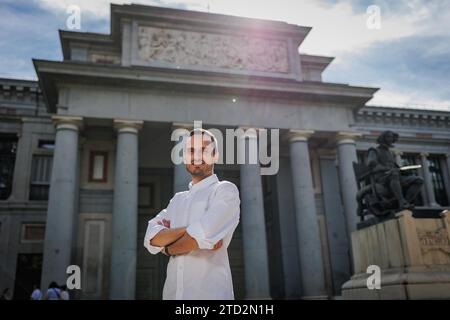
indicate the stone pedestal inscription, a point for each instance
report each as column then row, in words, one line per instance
column 412, row 254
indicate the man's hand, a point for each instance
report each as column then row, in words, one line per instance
column 187, row 244
column 218, row 245
column 167, row 236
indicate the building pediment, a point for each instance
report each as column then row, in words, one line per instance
column 188, row 50
column 145, row 36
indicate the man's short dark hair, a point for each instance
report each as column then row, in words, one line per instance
column 207, row 133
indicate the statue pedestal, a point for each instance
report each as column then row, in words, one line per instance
column 413, row 255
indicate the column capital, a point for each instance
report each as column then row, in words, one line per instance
column 180, row 129
column 250, row 132
column 125, row 125
column 299, row 135
column 347, row 136
column 424, row 154
column 67, row 122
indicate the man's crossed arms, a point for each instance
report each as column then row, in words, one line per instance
column 176, row 241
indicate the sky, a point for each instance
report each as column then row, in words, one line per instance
column 401, row 46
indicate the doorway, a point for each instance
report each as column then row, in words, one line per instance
column 28, row 273
column 155, row 191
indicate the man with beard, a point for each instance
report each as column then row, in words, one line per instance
column 196, row 227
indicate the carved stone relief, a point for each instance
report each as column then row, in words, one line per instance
column 187, row 48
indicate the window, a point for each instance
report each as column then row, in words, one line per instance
column 8, row 147
column 361, row 156
column 32, row 232
column 41, row 170
column 98, row 166
column 46, row 144
column 410, row 159
column 437, row 179
column 146, row 195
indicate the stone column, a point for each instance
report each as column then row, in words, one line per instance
column 347, row 155
column 309, row 242
column 428, row 180
column 124, row 218
column 61, row 204
column 22, row 167
column 181, row 176
column 447, row 160
column 253, row 225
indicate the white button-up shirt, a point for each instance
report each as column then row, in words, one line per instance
column 210, row 211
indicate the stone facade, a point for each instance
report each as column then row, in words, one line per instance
column 185, row 48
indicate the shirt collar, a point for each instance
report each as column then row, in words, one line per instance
column 203, row 184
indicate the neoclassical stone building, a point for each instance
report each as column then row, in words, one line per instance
column 85, row 154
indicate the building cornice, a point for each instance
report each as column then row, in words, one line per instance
column 20, row 98
column 18, row 87
column 424, row 121
column 88, row 38
column 206, row 19
column 52, row 72
column 175, row 17
column 315, row 62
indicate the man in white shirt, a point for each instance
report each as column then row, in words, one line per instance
column 196, row 228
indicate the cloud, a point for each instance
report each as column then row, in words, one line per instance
column 336, row 25
column 409, row 71
column 388, row 98
column 100, row 8
column 25, row 32
column 28, row 30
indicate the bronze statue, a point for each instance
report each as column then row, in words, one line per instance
column 384, row 187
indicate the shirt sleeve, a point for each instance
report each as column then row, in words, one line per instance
column 220, row 219
column 153, row 228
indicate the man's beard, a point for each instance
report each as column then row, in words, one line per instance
column 198, row 171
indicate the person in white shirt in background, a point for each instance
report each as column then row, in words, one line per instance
column 36, row 294
column 196, row 228
column 53, row 292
